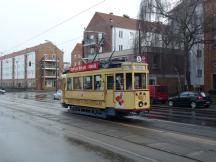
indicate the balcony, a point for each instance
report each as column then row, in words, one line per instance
column 50, row 59
column 50, row 76
column 88, row 42
column 50, row 67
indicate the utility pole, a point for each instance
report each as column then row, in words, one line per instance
column 139, row 38
column 17, row 72
column 56, row 85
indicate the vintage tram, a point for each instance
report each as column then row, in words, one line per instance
column 106, row 90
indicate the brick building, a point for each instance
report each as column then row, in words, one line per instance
column 76, row 54
column 36, row 68
column 106, row 33
column 210, row 48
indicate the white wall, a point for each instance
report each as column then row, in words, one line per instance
column 7, row 69
column 19, row 67
column 0, row 69
column 197, row 63
column 31, row 65
column 127, row 40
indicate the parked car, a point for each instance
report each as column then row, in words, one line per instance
column 2, row 91
column 57, row 95
column 190, row 99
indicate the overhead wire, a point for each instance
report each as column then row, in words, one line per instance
column 55, row 26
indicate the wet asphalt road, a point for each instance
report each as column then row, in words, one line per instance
column 31, row 130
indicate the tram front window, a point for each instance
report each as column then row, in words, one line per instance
column 140, row 81
column 128, row 81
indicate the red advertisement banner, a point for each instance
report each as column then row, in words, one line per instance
column 84, row 67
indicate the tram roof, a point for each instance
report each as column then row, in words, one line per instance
column 95, row 66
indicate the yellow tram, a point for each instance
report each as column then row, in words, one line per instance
column 118, row 89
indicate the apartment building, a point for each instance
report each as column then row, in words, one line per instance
column 108, row 34
column 77, row 54
column 37, row 67
column 210, row 45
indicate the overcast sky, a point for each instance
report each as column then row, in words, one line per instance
column 23, row 20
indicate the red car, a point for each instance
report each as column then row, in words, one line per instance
column 158, row 93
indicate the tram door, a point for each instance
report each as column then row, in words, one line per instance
column 109, row 91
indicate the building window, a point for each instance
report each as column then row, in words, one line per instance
column 100, row 36
column 131, row 36
column 214, row 81
column 100, row 49
column 120, row 47
column 92, row 50
column 92, row 37
column 199, row 53
column 156, row 62
column 199, row 73
column 152, row 81
column 120, row 34
column 214, row 23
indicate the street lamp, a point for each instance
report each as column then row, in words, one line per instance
column 17, row 71
column 56, row 64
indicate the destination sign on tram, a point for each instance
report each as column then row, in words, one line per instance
column 85, row 67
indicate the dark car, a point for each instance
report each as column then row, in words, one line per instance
column 190, row 99
column 2, row 91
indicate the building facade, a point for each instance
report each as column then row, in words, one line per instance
column 77, row 55
column 36, row 68
column 108, row 34
column 210, row 46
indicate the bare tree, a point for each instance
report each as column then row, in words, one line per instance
column 183, row 26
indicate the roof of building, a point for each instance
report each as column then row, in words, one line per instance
column 116, row 21
column 77, row 49
column 27, row 50
column 121, row 22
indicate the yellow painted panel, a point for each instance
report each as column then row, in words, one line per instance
column 88, row 95
column 85, row 102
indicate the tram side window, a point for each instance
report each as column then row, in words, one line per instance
column 69, row 84
column 77, row 83
column 110, row 82
column 97, row 82
column 87, row 82
column 120, row 81
column 128, row 81
column 140, row 81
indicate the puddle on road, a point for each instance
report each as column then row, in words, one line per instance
column 21, row 141
column 40, row 97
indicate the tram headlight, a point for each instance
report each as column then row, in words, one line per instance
column 140, row 104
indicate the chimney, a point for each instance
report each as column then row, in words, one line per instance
column 126, row 16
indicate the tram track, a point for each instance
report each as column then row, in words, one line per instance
column 185, row 115
column 55, row 117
